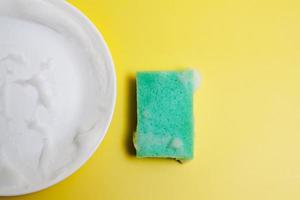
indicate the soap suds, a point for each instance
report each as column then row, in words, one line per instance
column 176, row 144
column 37, row 82
column 14, row 58
column 162, row 140
column 52, row 108
column 146, row 114
column 197, row 79
column 81, row 134
column 186, row 79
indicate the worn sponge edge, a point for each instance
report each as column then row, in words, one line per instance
column 165, row 124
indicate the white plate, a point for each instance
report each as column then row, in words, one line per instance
column 57, row 93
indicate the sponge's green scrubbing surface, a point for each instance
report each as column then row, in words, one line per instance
column 165, row 114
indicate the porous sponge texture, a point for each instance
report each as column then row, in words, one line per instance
column 165, row 124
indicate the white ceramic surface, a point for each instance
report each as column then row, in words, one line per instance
column 57, row 93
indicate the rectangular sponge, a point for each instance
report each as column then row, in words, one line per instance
column 165, row 124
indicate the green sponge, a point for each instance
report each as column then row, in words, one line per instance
column 165, row 125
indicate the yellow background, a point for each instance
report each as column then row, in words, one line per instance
column 247, row 111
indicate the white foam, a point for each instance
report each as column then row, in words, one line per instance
column 53, row 105
column 197, row 79
column 176, row 144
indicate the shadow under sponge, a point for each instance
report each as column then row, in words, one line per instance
column 165, row 124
